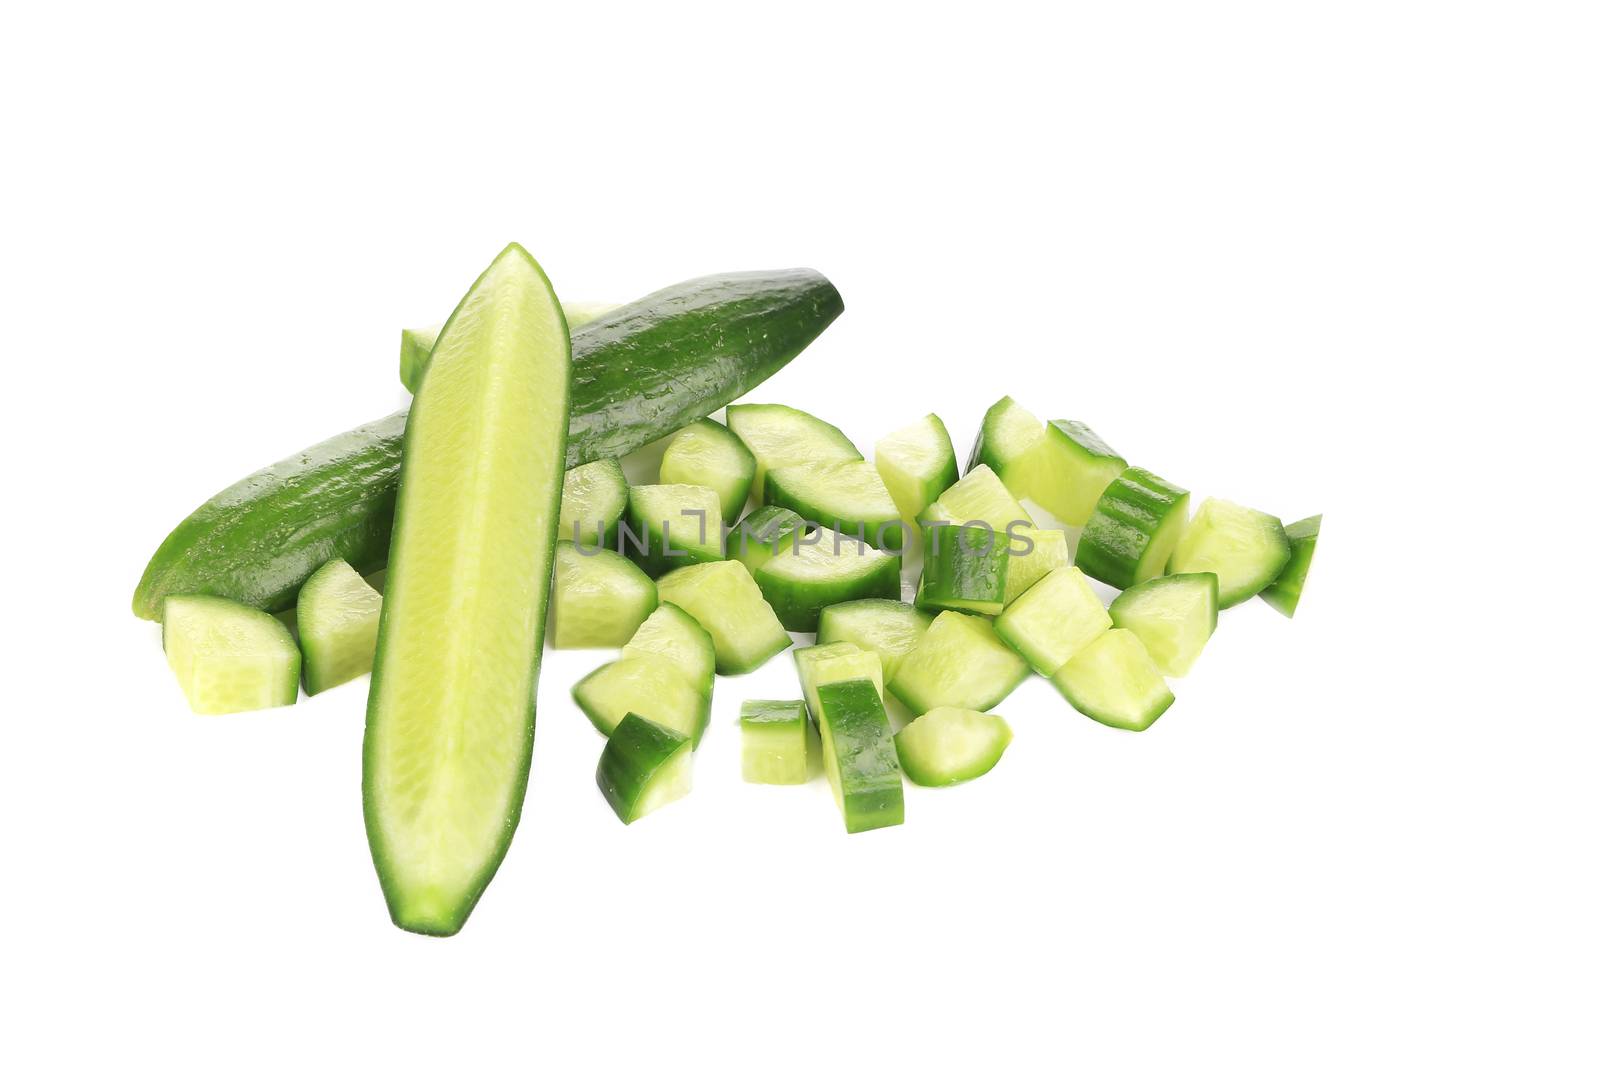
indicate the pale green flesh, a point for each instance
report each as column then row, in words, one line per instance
column 643, row 767
column 888, row 627
column 417, row 344
column 1051, row 622
column 725, row 600
column 650, row 686
column 594, row 497
column 828, row 559
column 337, row 618
column 959, row 662
column 1172, row 616
column 673, row 634
column 1046, row 551
column 823, row 664
column 684, row 518
column 1246, row 549
column 1011, row 439
column 783, row 436
column 978, row 497
column 949, row 745
column 450, row 715
column 1115, row 682
column 672, row 781
column 916, row 464
column 228, row 657
column 600, row 598
column 706, row 453
column 847, row 491
column 775, row 742
column 1076, row 466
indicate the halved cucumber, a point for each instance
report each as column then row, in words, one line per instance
column 888, row 627
column 763, row 534
column 823, row 664
column 672, row 633
column 1135, row 526
column 843, row 494
column 978, row 497
column 916, row 463
column 594, row 498
column 1115, row 682
column 959, row 662
column 417, row 344
column 644, row 767
column 1172, row 616
column 708, row 453
column 600, row 598
column 650, row 686
column 672, row 526
column 949, row 745
column 1054, row 620
column 1246, row 549
column 1034, row 553
column 801, row 581
column 775, row 742
column 229, row 657
column 858, row 755
column 725, row 600
column 782, row 436
column 1284, row 593
column 337, row 618
column 450, row 716
column 964, row 569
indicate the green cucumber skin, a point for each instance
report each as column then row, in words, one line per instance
column 1130, row 512
column 633, row 753
column 799, row 606
column 763, row 533
column 863, row 745
column 638, row 374
column 965, row 570
column 887, row 535
column 1284, row 593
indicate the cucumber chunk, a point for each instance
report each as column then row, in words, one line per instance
column 1172, row 616
column 823, row 664
column 1079, row 466
column 650, row 686
column 978, row 497
column 775, row 742
column 888, row 627
column 1284, row 593
column 964, row 569
column 1246, row 549
column 763, row 534
column 644, row 767
column 812, row 574
column 594, row 497
column 782, row 436
column 1134, row 528
column 229, row 657
column 672, row 633
column 843, row 494
column 725, row 600
column 858, row 755
column 1115, row 682
column 450, row 715
column 600, row 598
column 337, row 619
column 708, row 453
column 673, row 526
column 949, row 745
column 916, row 463
column 959, row 662
column 1034, row 553
column 1007, row 443
column 1053, row 621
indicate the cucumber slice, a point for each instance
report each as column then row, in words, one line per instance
column 916, row 463
column 725, row 600
column 650, row 686
column 229, row 657
column 337, row 619
column 594, row 497
column 949, row 745
column 644, row 767
column 673, row 525
column 775, row 742
column 1172, row 616
column 978, row 497
column 959, row 662
column 417, row 344
column 843, row 494
column 1078, row 466
column 964, row 569
column 782, row 436
column 672, row 633
column 1034, row 553
column 823, row 664
column 1115, row 682
column 1284, row 593
column 888, row 627
column 1246, row 549
column 858, row 755
column 707, row 453
column 762, row 534
column 600, row 598
column 1053, row 621
column 1134, row 528
column 450, row 715
column 800, row 581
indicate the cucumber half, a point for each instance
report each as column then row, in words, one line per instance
column 1115, row 682
column 673, row 525
column 337, row 618
column 725, row 600
column 708, row 453
column 600, row 598
column 1172, row 616
column 783, row 436
column 812, row 574
column 843, row 494
column 1246, row 549
column 964, row 569
column 228, row 657
column 949, row 745
column 1284, row 593
column 775, row 742
column 959, row 662
column 888, row 627
column 858, row 755
column 978, row 497
column 644, row 767
column 1054, row 620
column 594, row 497
column 916, row 463
column 763, row 534
column 823, row 664
column 1134, row 528
column 1034, row 553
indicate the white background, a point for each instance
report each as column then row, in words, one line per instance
column 1337, row 258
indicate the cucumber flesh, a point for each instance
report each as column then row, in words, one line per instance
column 1115, row 682
column 594, row 497
column 1034, row 553
column 978, row 497
column 964, row 569
column 228, row 657
column 949, row 745
column 416, row 345
column 673, row 526
column 450, row 715
column 644, row 767
column 727, row 603
column 775, row 742
column 858, row 755
column 783, row 436
column 959, row 662
column 823, row 664
column 916, row 464
column 812, row 574
column 843, row 494
column 600, row 598
column 583, row 312
column 1135, row 526
column 888, row 627
column 1008, row 443
column 1284, row 593
column 650, row 686
column 1246, row 549
column 763, row 534
column 1078, row 466
column 337, row 619
column 672, row 633
column 1172, row 616
column 708, row 453
column 1053, row 621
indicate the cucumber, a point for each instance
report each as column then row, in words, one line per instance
column 1115, row 682
column 417, row 344
column 1246, row 549
column 1034, row 553
column 228, row 657
column 707, row 453
column 594, row 497
column 978, row 497
column 649, row 686
column 725, row 600
column 823, row 664
column 964, row 569
column 584, row 312
column 1284, row 593
column 638, row 374
column 644, row 767
column 337, row 619
column 782, row 436
column 888, row 627
column 843, row 494
column 1008, row 443
column 673, row 525
column 1135, row 526
column 1172, row 616
column 775, row 742
column 763, row 534
column 959, row 662
column 1063, row 466
column 599, row 600
column 450, row 715
column 949, row 745
column 672, row 633
column 803, row 579
column 916, row 463
column 1054, row 620
column 858, row 755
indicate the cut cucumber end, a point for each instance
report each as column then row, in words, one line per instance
column 644, row 767
column 599, row 599
column 228, row 657
column 336, row 616
column 775, row 742
column 1053, row 621
column 916, row 464
column 958, row 662
column 949, row 745
column 813, row 574
column 1284, row 593
column 858, row 755
column 1246, row 549
column 783, row 436
column 1172, row 616
column 1115, row 682
column 1136, row 524
column 594, row 497
column 727, row 603
column 707, row 453
column 884, row 626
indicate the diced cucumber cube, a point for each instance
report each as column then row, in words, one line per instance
column 812, row 574
column 1115, row 682
column 708, row 453
column 959, row 662
column 1172, row 616
column 763, row 534
column 673, row 526
column 1034, row 553
column 594, row 497
column 775, row 738
column 1246, row 549
column 1135, row 526
column 229, row 657
column 337, row 619
column 916, row 463
column 1284, row 593
column 843, row 494
column 599, row 600
column 888, row 627
column 783, row 436
column 650, row 686
column 858, row 755
column 964, row 569
column 727, row 603
column 823, row 664
column 949, row 745
column 1053, row 621
column 644, row 767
